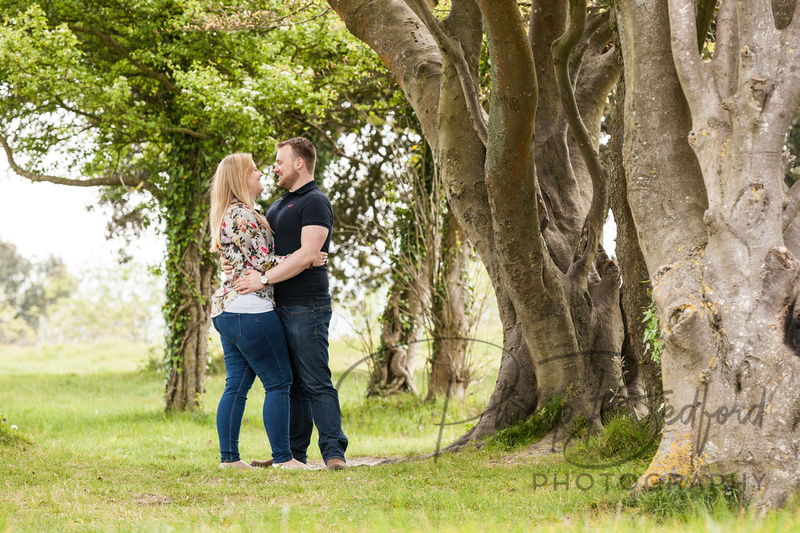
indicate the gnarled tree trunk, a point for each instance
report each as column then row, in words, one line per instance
column 532, row 205
column 190, row 273
column 718, row 241
column 450, row 372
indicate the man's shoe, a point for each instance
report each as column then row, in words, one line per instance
column 261, row 464
column 336, row 463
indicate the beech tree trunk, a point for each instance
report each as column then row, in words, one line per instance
column 719, row 243
column 642, row 374
column 532, row 205
column 450, row 372
column 394, row 364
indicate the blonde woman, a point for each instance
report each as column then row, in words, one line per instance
column 252, row 335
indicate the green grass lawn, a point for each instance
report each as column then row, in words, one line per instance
column 94, row 451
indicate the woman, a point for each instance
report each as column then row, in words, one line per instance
column 251, row 332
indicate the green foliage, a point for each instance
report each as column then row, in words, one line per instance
column 673, row 500
column 654, row 344
column 157, row 92
column 622, row 437
column 528, row 431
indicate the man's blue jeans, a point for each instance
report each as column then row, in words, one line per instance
column 314, row 399
column 254, row 345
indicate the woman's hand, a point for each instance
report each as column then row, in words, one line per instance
column 248, row 282
column 227, row 267
column 321, row 259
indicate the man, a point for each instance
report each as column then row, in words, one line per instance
column 302, row 220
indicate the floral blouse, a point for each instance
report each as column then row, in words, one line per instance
column 247, row 244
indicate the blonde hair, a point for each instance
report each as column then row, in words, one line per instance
column 229, row 186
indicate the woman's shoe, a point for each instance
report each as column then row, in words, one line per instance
column 294, row 464
column 236, row 464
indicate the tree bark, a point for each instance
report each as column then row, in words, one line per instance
column 394, row 364
column 642, row 374
column 185, row 381
column 190, row 272
column 450, row 373
column 725, row 283
column 527, row 226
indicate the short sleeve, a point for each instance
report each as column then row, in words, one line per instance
column 317, row 211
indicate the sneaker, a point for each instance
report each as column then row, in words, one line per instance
column 266, row 463
column 236, row 464
column 336, row 463
column 294, row 464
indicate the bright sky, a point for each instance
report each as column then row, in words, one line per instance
column 42, row 219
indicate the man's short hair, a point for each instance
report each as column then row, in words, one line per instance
column 302, row 148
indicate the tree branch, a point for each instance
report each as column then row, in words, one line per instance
column 793, row 205
column 794, row 24
column 453, row 48
column 596, row 34
column 144, row 69
column 187, row 131
column 726, row 50
column 753, row 15
column 595, row 218
column 510, row 170
column 407, row 49
column 114, row 181
column 688, row 62
column 336, row 150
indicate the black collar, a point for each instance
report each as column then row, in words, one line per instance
column 311, row 185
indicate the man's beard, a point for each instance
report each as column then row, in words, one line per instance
column 290, row 179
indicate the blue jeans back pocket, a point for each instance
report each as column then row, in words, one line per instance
column 229, row 325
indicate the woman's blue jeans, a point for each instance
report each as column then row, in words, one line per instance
column 254, row 345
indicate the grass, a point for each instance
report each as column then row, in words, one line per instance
column 93, row 451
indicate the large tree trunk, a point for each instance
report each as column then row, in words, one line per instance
column 450, row 373
column 642, row 374
column 393, row 365
column 724, row 274
column 189, row 325
column 190, row 273
column 529, row 204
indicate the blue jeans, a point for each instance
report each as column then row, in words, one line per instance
column 254, row 345
column 314, row 399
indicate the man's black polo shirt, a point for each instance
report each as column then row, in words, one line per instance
column 307, row 206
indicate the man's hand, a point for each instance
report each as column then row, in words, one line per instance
column 248, row 282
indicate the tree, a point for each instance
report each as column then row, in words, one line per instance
column 524, row 182
column 28, row 291
column 703, row 180
column 719, row 232
column 147, row 97
column 450, row 373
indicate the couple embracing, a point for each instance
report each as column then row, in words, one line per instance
column 274, row 308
